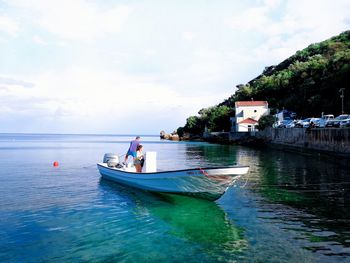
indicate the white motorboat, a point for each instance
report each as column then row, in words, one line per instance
column 208, row 183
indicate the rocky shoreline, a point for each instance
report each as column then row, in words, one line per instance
column 221, row 138
column 175, row 137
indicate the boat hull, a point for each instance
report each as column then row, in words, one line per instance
column 207, row 183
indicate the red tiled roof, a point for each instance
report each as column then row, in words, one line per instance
column 249, row 121
column 250, row 103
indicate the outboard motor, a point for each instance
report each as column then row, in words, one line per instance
column 111, row 159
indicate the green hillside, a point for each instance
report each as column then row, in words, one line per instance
column 307, row 82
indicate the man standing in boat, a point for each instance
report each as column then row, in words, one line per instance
column 132, row 148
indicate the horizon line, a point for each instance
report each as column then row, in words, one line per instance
column 87, row 134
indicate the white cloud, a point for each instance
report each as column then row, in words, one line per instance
column 288, row 26
column 75, row 20
column 260, row 20
column 39, row 40
column 147, row 53
column 9, row 81
column 272, row 3
column 319, row 18
column 251, row 19
column 9, row 25
column 84, row 95
column 275, row 17
column 189, row 35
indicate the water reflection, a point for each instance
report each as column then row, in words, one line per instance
column 197, row 221
column 211, row 155
column 319, row 185
column 317, row 189
column 306, row 196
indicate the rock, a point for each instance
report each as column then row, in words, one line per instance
column 186, row 136
column 162, row 134
column 173, row 136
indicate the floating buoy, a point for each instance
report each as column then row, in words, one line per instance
column 55, row 164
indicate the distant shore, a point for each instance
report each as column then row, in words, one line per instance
column 319, row 140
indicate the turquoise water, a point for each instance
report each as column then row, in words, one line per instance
column 289, row 208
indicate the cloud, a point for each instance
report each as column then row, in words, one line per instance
column 287, row 26
column 39, row 40
column 261, row 20
column 272, row 3
column 274, row 17
column 95, row 99
column 188, row 35
column 319, row 18
column 75, row 20
column 9, row 25
column 8, row 81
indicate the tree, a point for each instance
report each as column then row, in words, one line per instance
column 220, row 119
column 266, row 121
column 194, row 125
column 180, row 131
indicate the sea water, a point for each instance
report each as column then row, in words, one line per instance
column 288, row 208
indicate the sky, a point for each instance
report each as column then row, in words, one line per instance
column 139, row 67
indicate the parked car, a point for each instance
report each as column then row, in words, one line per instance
column 284, row 123
column 306, row 122
column 336, row 121
column 320, row 123
column 291, row 124
column 345, row 123
column 313, row 122
column 303, row 123
column 298, row 124
column 327, row 117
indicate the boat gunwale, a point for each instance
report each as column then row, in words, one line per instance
column 171, row 171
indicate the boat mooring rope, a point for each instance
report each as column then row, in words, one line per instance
column 246, row 181
column 203, row 172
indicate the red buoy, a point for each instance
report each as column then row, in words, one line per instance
column 55, row 164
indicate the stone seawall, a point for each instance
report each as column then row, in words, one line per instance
column 334, row 141
column 327, row 140
column 217, row 137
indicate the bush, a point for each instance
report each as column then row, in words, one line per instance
column 180, row 131
column 266, row 121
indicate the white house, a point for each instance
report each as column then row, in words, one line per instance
column 248, row 114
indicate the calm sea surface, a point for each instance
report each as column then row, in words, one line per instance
column 289, row 208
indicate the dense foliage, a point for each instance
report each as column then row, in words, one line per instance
column 266, row 121
column 212, row 118
column 307, row 83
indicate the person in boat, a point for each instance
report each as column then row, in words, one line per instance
column 132, row 148
column 139, row 160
